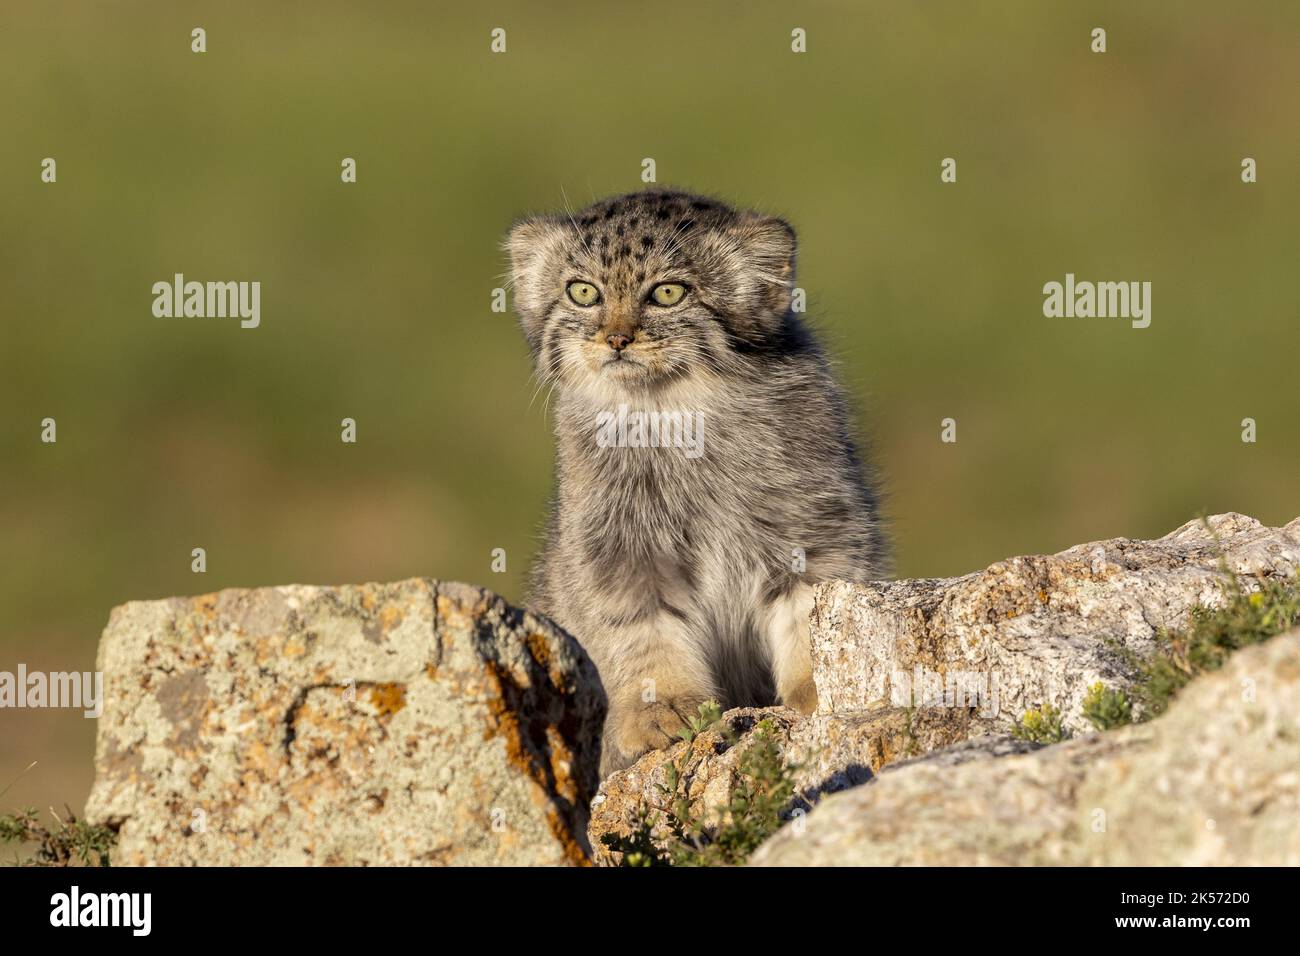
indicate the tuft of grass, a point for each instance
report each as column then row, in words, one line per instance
column 1106, row 708
column 1041, row 726
column 71, row 842
column 762, row 795
column 1212, row 635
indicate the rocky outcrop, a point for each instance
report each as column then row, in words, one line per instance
column 825, row 754
column 904, row 668
column 410, row 723
column 422, row 722
column 1030, row 631
column 1214, row 781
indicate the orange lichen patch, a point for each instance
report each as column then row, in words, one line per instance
column 1043, row 596
column 324, row 725
column 390, row 617
column 257, row 757
column 453, row 612
column 539, row 647
column 431, row 670
column 542, row 752
column 388, row 699
column 294, row 648
column 206, row 604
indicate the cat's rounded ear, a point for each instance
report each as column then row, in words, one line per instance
column 768, row 245
column 757, row 254
column 535, row 246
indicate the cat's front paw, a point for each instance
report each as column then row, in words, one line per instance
column 635, row 730
column 802, row 696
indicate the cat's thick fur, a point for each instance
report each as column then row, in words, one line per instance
column 688, row 578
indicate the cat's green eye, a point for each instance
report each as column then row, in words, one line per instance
column 667, row 293
column 583, row 293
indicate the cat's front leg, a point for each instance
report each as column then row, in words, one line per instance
column 656, row 676
column 786, row 625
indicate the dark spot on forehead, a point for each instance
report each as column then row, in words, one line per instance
column 663, row 213
column 625, row 251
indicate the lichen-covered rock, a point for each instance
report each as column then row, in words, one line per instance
column 409, row 723
column 703, row 771
column 1214, row 781
column 706, row 769
column 1030, row 631
column 824, row 753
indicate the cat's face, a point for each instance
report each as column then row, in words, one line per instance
column 649, row 288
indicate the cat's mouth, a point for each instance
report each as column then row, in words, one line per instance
column 628, row 370
column 622, row 362
column 632, row 368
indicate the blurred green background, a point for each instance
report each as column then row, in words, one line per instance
column 174, row 434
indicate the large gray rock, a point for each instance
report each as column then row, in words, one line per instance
column 1029, row 631
column 410, row 723
column 1214, row 781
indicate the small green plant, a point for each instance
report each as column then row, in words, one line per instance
column 708, row 714
column 1212, row 635
column 761, row 796
column 759, row 800
column 1041, row 726
column 1107, row 708
column 71, row 842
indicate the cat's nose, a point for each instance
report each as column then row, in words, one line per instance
column 618, row 341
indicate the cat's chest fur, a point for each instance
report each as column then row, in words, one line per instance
column 697, row 516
